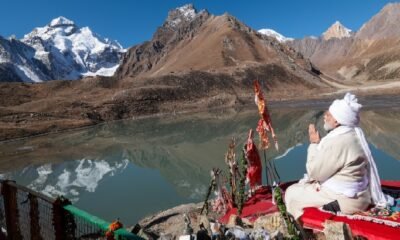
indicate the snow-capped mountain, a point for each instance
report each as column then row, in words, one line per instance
column 64, row 50
column 337, row 30
column 275, row 34
column 69, row 179
column 18, row 62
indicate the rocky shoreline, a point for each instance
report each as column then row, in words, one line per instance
column 33, row 109
column 170, row 224
column 42, row 113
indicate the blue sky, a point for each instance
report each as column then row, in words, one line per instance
column 132, row 22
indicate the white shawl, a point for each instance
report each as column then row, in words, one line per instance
column 346, row 112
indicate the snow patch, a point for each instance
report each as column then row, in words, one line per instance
column 175, row 22
column 3, row 59
column 26, row 74
column 187, row 11
column 60, row 21
column 108, row 72
column 273, row 33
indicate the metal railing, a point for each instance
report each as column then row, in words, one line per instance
column 26, row 214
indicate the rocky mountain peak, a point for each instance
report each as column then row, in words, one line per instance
column 337, row 30
column 186, row 13
column 371, row 53
column 391, row 7
column 212, row 45
column 383, row 25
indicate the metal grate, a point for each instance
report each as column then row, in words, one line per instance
column 29, row 214
column 86, row 229
column 3, row 225
column 25, row 214
column 45, row 226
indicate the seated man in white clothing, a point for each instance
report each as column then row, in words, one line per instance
column 341, row 170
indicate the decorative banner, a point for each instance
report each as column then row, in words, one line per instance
column 265, row 123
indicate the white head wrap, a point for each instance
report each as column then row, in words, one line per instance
column 346, row 112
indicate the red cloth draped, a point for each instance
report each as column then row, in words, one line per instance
column 261, row 204
column 254, row 169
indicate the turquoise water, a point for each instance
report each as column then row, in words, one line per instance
column 130, row 169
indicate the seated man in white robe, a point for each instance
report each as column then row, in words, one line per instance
column 341, row 172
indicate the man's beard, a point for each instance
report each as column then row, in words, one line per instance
column 328, row 127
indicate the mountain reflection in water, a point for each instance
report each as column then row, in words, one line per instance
column 143, row 166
